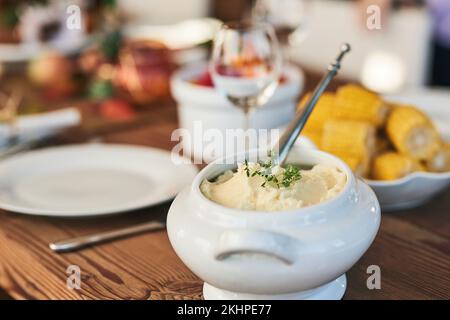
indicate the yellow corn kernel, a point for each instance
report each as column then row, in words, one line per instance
column 322, row 112
column 352, row 138
column 353, row 102
column 393, row 165
column 439, row 161
column 360, row 166
column 314, row 135
column 412, row 133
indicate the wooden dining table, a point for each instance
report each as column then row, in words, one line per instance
column 411, row 249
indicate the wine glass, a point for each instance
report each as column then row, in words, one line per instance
column 245, row 65
column 286, row 16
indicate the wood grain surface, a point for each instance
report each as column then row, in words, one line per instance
column 412, row 247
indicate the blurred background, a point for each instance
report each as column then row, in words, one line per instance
column 133, row 71
column 127, row 50
column 103, row 64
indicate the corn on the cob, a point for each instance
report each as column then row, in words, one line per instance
column 412, row 133
column 356, row 103
column 314, row 135
column 440, row 160
column 346, row 137
column 323, row 111
column 393, row 165
column 360, row 166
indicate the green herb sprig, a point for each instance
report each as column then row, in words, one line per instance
column 291, row 174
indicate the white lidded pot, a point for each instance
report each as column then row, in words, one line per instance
column 201, row 107
column 295, row 254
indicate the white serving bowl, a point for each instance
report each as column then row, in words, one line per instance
column 411, row 191
column 213, row 111
column 419, row 187
column 295, row 254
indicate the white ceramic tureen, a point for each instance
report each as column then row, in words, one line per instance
column 296, row 254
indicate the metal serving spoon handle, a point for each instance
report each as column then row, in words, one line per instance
column 292, row 132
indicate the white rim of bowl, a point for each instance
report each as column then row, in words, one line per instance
column 409, row 177
column 351, row 181
column 295, row 76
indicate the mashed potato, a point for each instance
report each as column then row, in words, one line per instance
column 240, row 191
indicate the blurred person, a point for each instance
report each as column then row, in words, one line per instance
column 440, row 13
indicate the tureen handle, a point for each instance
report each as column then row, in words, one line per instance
column 269, row 243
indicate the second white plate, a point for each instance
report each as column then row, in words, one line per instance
column 91, row 179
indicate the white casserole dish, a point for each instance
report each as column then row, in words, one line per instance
column 296, row 254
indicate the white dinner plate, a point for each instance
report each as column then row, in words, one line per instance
column 90, row 179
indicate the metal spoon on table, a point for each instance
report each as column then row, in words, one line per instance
column 287, row 140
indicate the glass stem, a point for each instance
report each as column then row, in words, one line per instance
column 285, row 51
column 248, row 115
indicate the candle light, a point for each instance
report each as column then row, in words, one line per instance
column 383, row 72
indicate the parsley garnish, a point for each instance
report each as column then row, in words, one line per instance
column 290, row 175
column 247, row 169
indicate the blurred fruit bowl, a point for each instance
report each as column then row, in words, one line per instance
column 143, row 71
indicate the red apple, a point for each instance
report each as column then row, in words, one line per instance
column 49, row 69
